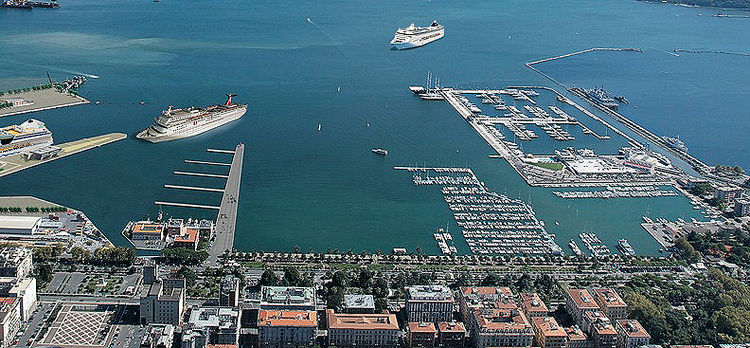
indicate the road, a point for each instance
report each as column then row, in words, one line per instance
column 226, row 220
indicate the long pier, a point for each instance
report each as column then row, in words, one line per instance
column 226, row 219
column 187, row 205
column 177, row 172
column 221, row 151
column 193, row 188
column 208, row 163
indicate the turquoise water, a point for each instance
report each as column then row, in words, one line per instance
column 320, row 190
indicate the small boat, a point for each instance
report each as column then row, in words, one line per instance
column 319, row 127
column 379, row 151
column 557, row 223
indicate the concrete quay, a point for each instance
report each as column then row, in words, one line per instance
column 15, row 163
column 42, row 100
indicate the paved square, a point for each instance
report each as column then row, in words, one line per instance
column 81, row 326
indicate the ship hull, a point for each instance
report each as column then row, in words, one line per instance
column 419, row 41
column 152, row 136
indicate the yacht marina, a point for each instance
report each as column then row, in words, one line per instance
column 594, row 244
column 619, row 192
column 490, row 223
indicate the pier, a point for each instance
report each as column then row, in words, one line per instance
column 187, row 205
column 44, row 99
column 201, row 174
column 208, row 163
column 16, row 163
column 193, row 188
column 221, row 151
column 226, row 220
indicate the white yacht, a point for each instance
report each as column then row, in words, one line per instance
column 182, row 123
column 412, row 36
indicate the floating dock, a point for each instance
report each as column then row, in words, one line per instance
column 15, row 163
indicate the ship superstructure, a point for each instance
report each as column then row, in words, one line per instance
column 29, row 135
column 412, row 36
column 182, row 123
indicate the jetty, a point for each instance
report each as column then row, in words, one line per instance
column 226, row 218
column 18, row 162
column 40, row 100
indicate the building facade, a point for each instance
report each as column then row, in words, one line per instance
column 429, row 303
column 362, row 329
column 10, row 320
column 548, row 333
column 451, row 334
column 421, row 334
column 578, row 302
column 610, row 303
column 630, row 334
column 163, row 302
column 286, row 328
column 16, row 262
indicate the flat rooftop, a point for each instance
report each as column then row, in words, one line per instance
column 345, row 321
column 438, row 293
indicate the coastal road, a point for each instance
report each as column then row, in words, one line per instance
column 226, row 220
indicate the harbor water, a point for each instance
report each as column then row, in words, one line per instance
column 320, row 190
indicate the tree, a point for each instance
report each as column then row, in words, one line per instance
column 292, row 276
column 189, row 275
column 268, row 278
column 381, row 304
column 340, row 279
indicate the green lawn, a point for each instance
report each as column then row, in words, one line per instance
column 549, row 165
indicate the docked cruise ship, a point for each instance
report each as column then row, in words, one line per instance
column 411, row 36
column 182, row 123
column 29, row 135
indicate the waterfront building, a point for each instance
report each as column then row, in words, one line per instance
column 533, row 306
column 287, row 297
column 214, row 325
column 187, row 239
column 501, row 328
column 611, row 304
column 421, row 334
column 25, row 225
column 451, row 334
column 158, row 336
column 630, row 334
column 362, row 329
column 16, row 262
column 355, row 303
column 578, row 302
column 430, row 303
column 146, row 230
column 600, row 329
column 742, row 206
column 174, row 226
column 727, row 194
column 478, row 297
column 10, row 320
column 286, row 328
column 163, row 302
column 229, row 291
column 577, row 338
column 548, row 333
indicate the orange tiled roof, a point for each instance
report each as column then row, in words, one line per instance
column 608, row 297
column 633, row 328
column 549, row 327
column 444, row 326
column 485, row 290
column 287, row 318
column 532, row 302
column 421, row 327
column 361, row 321
column 582, row 298
column 190, row 236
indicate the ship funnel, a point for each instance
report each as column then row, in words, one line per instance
column 229, row 99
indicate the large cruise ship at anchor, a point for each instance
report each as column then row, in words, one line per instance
column 182, row 123
column 29, row 135
column 411, row 36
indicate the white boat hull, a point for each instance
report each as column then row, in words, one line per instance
column 151, row 135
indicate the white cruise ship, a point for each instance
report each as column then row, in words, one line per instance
column 182, row 123
column 29, row 135
column 412, row 36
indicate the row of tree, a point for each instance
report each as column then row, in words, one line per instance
column 46, row 209
column 120, row 256
column 183, row 256
column 28, row 89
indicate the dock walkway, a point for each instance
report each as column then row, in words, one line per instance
column 226, row 220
